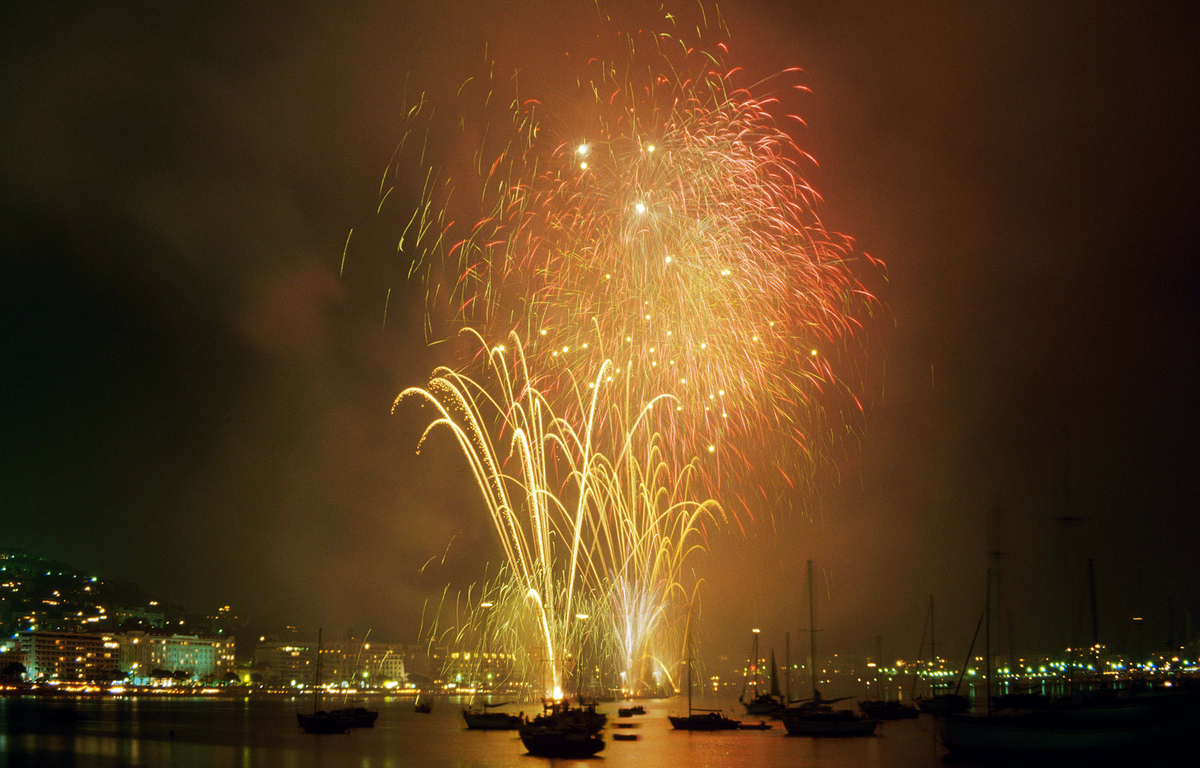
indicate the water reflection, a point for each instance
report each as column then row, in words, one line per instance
column 263, row 732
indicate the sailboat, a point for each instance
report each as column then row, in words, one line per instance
column 701, row 719
column 762, row 703
column 1109, row 725
column 360, row 717
column 321, row 721
column 564, row 731
column 938, row 703
column 816, row 716
column 483, row 720
column 883, row 709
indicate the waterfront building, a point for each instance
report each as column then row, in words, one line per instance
column 358, row 662
column 141, row 653
column 285, row 663
column 69, row 656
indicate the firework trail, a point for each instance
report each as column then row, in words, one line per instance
column 595, row 538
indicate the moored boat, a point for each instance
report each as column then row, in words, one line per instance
column 944, row 704
column 483, row 720
column 889, row 710
column 817, row 717
column 701, row 719
column 1050, row 733
column 320, row 721
column 828, row 722
column 561, row 715
column 551, row 741
column 761, row 702
column 323, row 722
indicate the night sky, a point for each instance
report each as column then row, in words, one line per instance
column 194, row 399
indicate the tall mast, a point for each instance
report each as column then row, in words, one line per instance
column 812, row 636
column 987, row 643
column 787, row 662
column 1092, row 595
column 317, row 672
column 879, row 665
column 689, row 683
column 932, row 636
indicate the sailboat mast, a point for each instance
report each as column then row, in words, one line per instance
column 689, row 685
column 812, row 635
column 787, row 662
column 879, row 665
column 987, row 643
column 317, row 672
column 932, row 636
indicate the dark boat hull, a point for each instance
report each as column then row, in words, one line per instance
column 556, row 742
column 323, row 722
column 763, row 705
column 710, row 722
column 889, row 710
column 1101, row 725
column 973, row 734
column 944, row 704
column 829, row 724
column 491, row 721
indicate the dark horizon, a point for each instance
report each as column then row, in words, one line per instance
column 196, row 393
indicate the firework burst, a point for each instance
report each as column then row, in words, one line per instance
column 668, row 227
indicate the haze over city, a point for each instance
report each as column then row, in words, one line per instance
column 199, row 377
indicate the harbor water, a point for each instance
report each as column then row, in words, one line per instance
column 258, row 731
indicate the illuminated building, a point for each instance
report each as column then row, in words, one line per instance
column 69, row 656
column 285, row 663
column 141, row 653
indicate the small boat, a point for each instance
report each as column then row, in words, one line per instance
column 321, row 721
column 761, row 725
column 884, row 709
column 708, row 721
column 944, row 704
column 551, row 741
column 637, row 709
column 564, row 731
column 701, row 719
column 422, row 707
column 889, row 710
column 1060, row 732
column 761, row 703
column 826, row 721
column 483, row 720
column 764, row 704
column 625, row 737
column 816, row 716
column 560, row 715
column 1102, row 725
